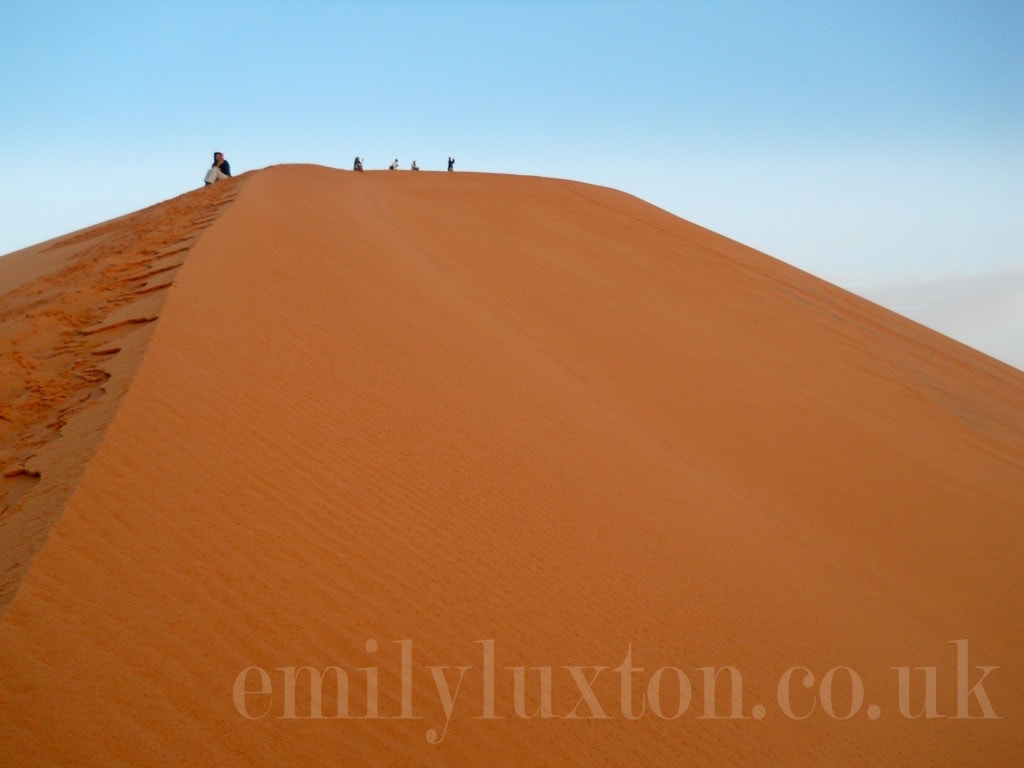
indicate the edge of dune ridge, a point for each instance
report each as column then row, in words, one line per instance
column 79, row 312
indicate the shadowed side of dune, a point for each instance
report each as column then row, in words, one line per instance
column 77, row 314
column 451, row 433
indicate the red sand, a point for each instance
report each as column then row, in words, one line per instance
column 397, row 414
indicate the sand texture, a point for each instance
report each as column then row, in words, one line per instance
column 525, row 460
column 77, row 314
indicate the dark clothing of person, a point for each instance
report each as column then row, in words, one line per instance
column 224, row 166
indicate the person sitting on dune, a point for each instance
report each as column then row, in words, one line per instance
column 394, row 165
column 414, row 167
column 220, row 169
column 358, row 164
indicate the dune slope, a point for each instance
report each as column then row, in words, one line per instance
column 77, row 314
column 528, row 463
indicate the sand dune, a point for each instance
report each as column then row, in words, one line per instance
column 77, row 315
column 459, row 434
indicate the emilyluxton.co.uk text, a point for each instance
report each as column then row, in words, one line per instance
column 665, row 693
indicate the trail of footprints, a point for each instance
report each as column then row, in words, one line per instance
column 62, row 330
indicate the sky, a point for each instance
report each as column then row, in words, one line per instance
column 876, row 144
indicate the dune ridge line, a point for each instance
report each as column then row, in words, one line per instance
column 71, row 310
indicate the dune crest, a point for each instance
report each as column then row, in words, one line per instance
column 77, row 315
column 527, row 472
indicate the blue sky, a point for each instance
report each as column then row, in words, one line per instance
column 879, row 145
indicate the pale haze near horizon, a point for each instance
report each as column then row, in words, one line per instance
column 878, row 146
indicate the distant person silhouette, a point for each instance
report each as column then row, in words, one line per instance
column 451, row 163
column 414, row 167
column 219, row 170
column 358, row 164
column 394, row 165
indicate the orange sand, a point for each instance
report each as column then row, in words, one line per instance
column 77, row 314
column 428, row 410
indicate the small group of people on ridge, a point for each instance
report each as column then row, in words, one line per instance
column 394, row 166
column 357, row 165
column 221, row 169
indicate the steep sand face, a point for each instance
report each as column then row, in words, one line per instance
column 77, row 314
column 432, row 428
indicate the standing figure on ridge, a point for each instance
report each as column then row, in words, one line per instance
column 219, row 170
column 451, row 163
